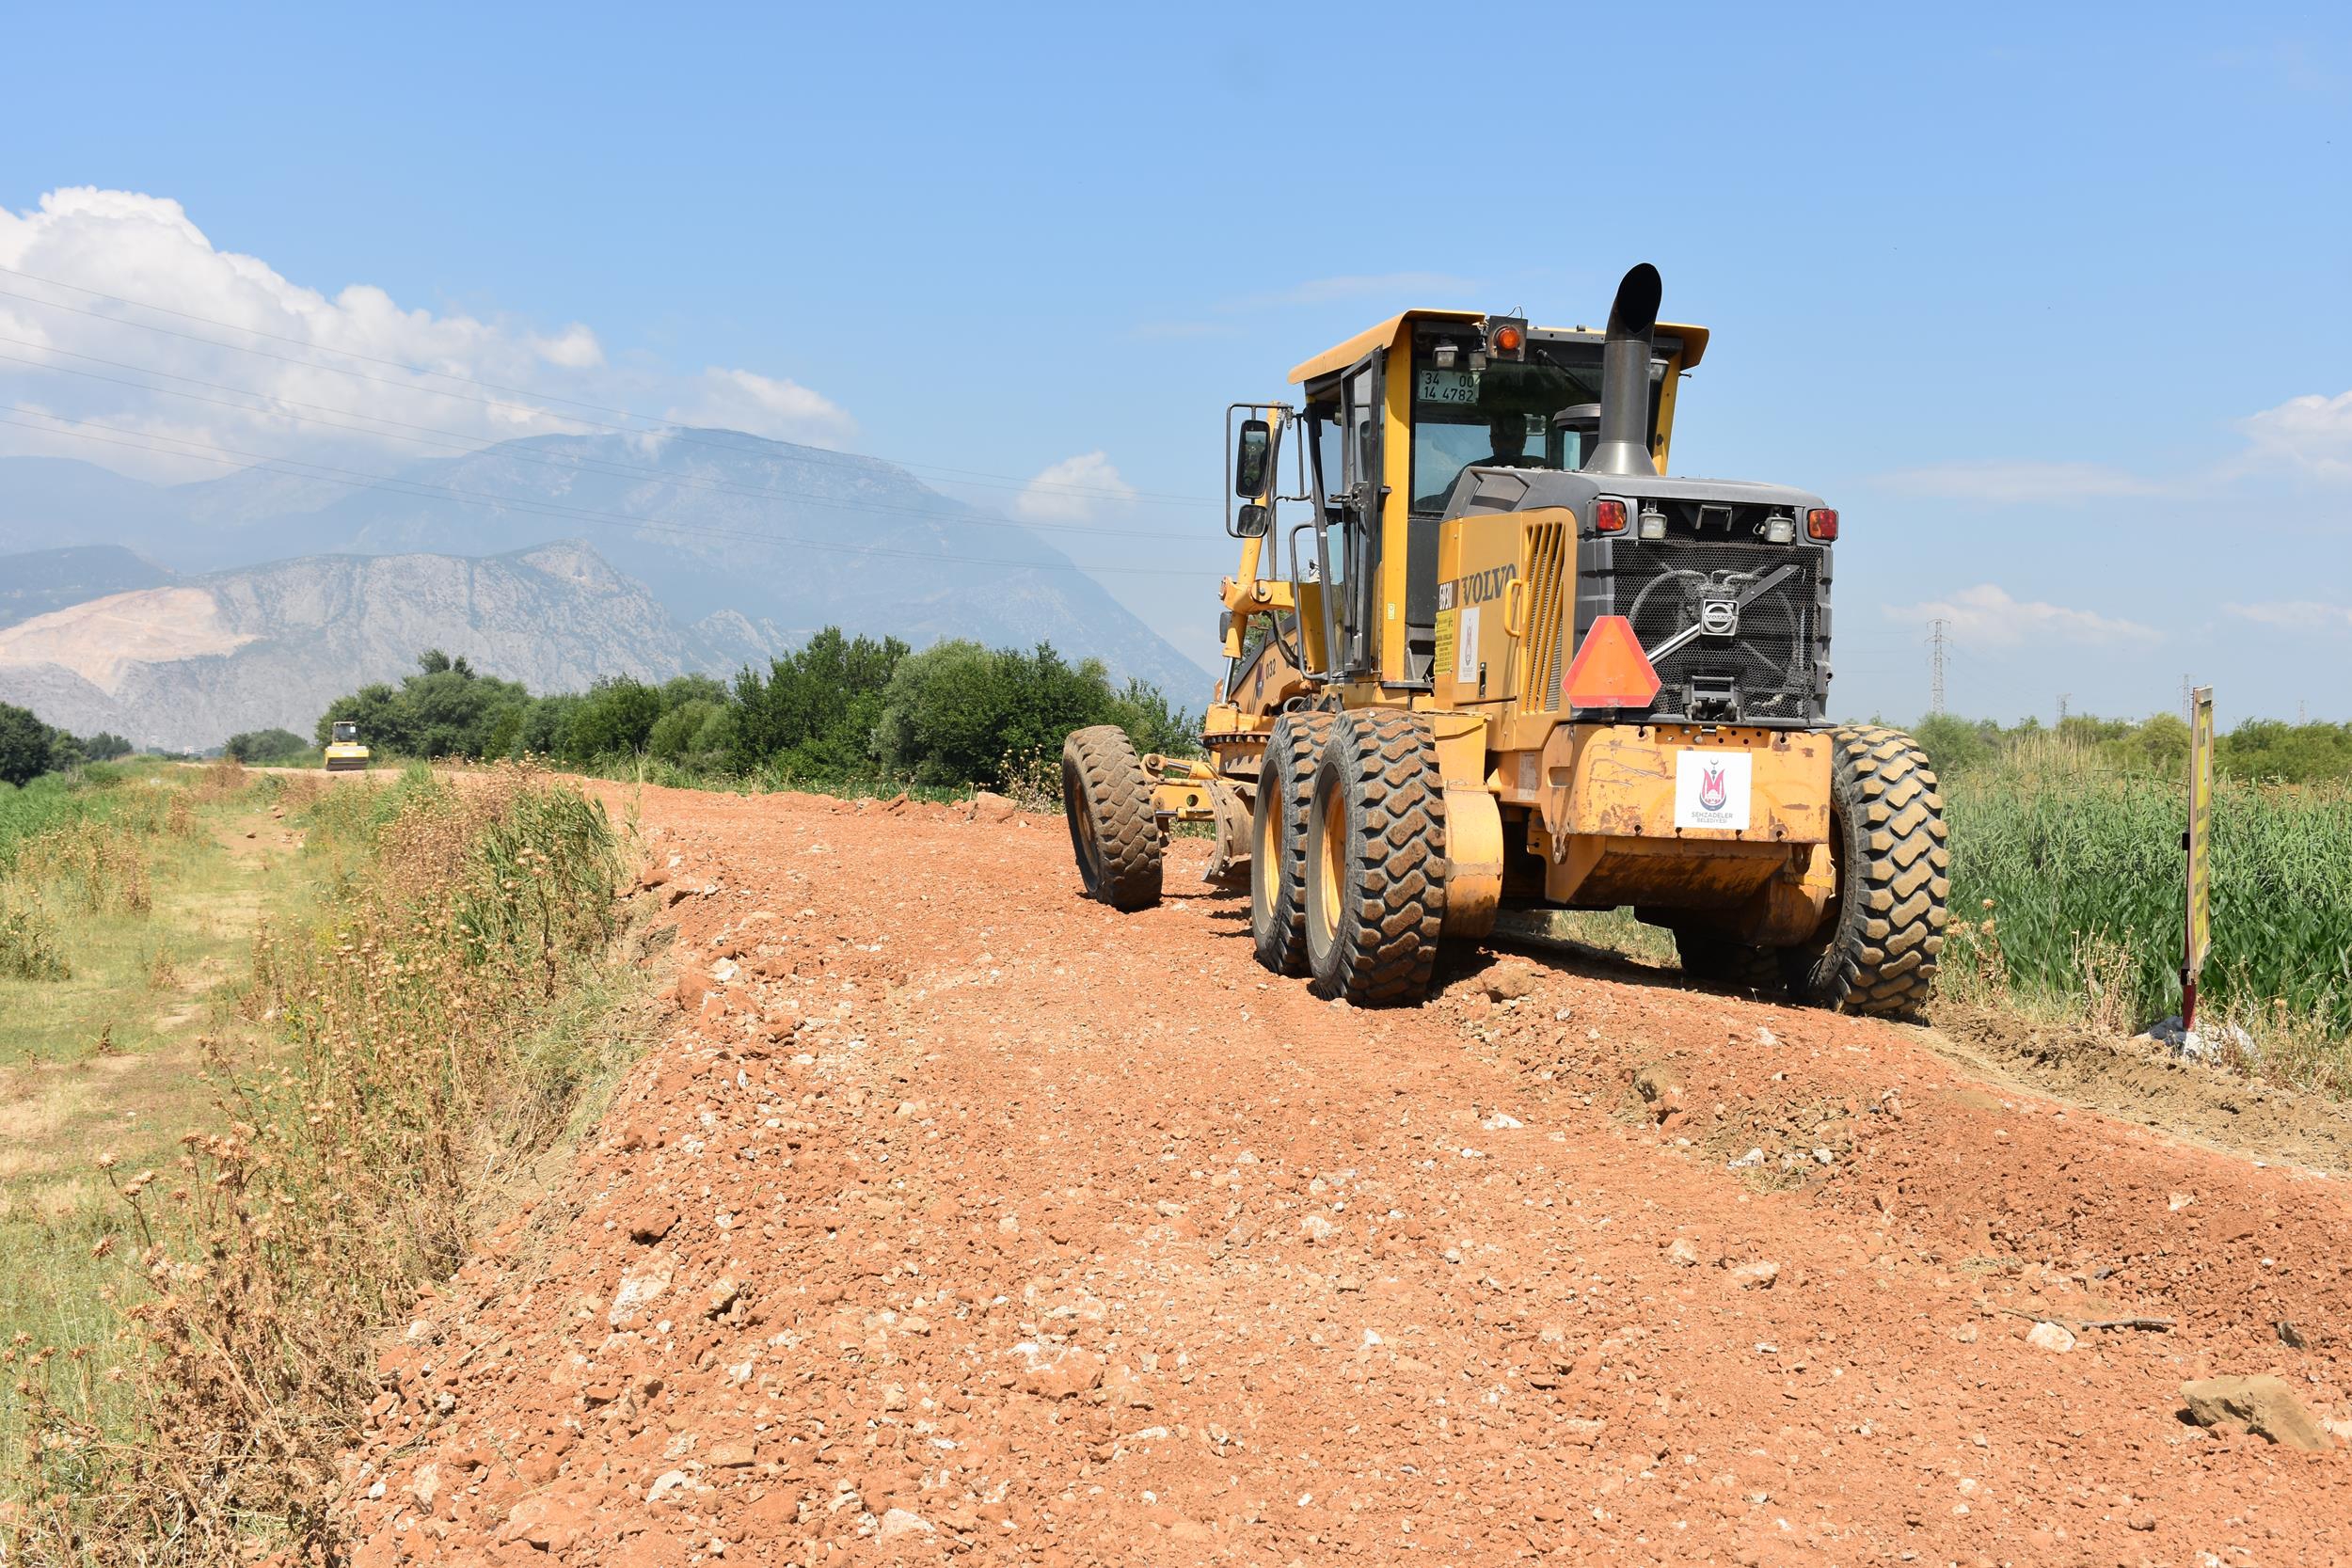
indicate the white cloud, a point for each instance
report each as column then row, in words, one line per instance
column 1073, row 490
column 223, row 351
column 575, row 348
column 2295, row 615
column 2311, row 434
column 765, row 405
column 1987, row 616
column 2007, row 482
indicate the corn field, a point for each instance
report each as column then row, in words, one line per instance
column 2083, row 869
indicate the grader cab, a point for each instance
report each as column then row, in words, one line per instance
column 1484, row 655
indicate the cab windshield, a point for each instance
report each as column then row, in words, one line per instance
column 345, row 733
column 1540, row 412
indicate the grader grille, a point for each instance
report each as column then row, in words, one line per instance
column 1548, row 597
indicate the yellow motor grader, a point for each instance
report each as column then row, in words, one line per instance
column 1484, row 654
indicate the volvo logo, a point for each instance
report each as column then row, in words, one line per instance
column 1719, row 617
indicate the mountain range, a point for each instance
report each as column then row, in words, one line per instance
column 178, row 614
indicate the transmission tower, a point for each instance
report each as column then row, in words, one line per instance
column 2063, row 696
column 1937, row 645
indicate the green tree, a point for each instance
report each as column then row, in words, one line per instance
column 615, row 719
column 1953, row 744
column 105, row 747
column 547, row 726
column 958, row 713
column 265, row 747
column 383, row 720
column 446, row 709
column 674, row 735
column 26, row 745
column 814, row 713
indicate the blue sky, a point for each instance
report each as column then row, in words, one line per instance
column 2055, row 303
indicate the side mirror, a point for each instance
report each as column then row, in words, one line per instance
column 1252, row 521
column 1253, row 459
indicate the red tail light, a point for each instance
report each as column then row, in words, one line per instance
column 1820, row 523
column 1608, row 518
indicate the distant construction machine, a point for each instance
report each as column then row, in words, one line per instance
column 1506, row 663
column 344, row 754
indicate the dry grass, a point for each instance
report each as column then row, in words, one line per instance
column 341, row 1171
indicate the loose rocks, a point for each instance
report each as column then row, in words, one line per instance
column 2261, row 1404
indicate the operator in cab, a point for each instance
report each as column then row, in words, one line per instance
column 1508, row 433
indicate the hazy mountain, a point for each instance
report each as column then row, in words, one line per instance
column 714, row 523
column 42, row 580
column 201, row 657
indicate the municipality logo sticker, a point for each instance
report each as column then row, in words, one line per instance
column 1711, row 788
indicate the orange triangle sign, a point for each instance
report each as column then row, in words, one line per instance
column 1610, row 669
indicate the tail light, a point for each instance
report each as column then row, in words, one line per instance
column 1608, row 518
column 1820, row 523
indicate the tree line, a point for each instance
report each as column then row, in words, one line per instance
column 29, row 748
column 839, row 710
column 2257, row 750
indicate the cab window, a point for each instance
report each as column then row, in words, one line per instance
column 1540, row 412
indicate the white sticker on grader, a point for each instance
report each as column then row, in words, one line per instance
column 1465, row 644
column 1711, row 788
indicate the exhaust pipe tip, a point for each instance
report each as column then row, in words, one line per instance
column 1635, row 309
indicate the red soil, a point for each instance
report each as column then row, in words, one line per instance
column 962, row 1216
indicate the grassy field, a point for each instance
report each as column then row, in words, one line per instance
column 2067, row 889
column 166, row 1088
column 140, row 895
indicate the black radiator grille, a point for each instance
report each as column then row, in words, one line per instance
column 1765, row 669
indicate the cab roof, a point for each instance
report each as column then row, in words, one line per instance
column 1693, row 340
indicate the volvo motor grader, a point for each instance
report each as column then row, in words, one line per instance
column 1485, row 654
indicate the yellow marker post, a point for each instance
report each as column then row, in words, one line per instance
column 2198, row 840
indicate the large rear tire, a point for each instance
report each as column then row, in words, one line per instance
column 1376, row 864
column 1885, row 931
column 1106, row 796
column 1712, row 959
column 1277, row 837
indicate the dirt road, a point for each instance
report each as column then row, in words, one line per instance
column 958, row 1216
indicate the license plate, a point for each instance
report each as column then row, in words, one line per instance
column 1456, row 386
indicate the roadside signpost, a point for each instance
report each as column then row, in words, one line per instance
column 2198, row 840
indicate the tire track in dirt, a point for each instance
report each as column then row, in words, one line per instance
column 959, row 1217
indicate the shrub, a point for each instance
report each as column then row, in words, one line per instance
column 28, row 939
column 341, row 1175
column 265, row 747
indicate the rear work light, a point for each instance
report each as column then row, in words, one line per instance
column 1608, row 518
column 1820, row 523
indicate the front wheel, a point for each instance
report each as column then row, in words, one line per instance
column 1878, row 947
column 1278, row 862
column 1375, row 860
column 1108, row 797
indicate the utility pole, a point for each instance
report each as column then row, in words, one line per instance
column 1936, row 645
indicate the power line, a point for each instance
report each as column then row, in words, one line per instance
column 423, row 490
column 987, row 480
column 473, row 446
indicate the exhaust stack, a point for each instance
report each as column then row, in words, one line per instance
column 1624, row 444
